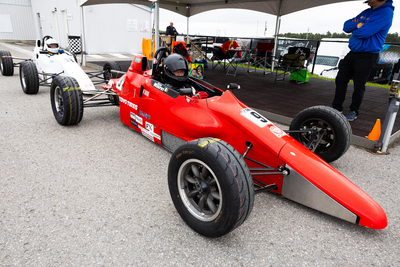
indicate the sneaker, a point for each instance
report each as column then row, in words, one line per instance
column 351, row 116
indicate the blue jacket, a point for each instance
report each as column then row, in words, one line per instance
column 371, row 36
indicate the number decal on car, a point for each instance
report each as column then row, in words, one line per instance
column 255, row 117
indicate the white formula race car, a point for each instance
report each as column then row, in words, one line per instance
column 49, row 62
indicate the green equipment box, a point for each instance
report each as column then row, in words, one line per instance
column 303, row 77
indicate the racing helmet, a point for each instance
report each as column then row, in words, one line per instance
column 51, row 42
column 172, row 63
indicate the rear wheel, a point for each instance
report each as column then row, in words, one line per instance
column 6, row 63
column 29, row 78
column 211, row 186
column 329, row 125
column 108, row 66
column 66, row 100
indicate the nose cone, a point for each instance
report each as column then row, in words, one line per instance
column 374, row 217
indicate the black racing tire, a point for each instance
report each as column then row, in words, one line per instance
column 6, row 63
column 337, row 139
column 66, row 100
column 108, row 66
column 29, row 77
column 114, row 99
column 210, row 186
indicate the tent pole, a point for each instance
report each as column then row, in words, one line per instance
column 157, row 24
column 277, row 27
column 83, row 59
column 187, row 29
column 187, row 23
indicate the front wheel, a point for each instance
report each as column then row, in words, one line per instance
column 6, row 63
column 66, row 100
column 325, row 124
column 28, row 77
column 108, row 67
column 210, row 186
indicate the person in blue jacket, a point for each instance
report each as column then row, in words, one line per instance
column 369, row 30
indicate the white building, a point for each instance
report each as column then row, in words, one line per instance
column 16, row 20
column 110, row 28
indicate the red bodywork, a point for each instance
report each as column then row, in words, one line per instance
column 152, row 109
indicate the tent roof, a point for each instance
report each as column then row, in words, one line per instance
column 192, row 7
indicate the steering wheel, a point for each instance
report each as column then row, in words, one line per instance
column 159, row 55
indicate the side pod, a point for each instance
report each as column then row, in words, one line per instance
column 314, row 183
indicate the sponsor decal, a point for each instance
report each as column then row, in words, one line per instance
column 146, row 134
column 149, row 134
column 160, row 87
column 255, row 117
column 128, row 103
column 204, row 143
column 145, row 92
column 149, row 127
column 144, row 115
column 139, row 120
column 68, row 60
column 136, row 118
column 277, row 131
column 134, row 123
column 137, row 60
column 164, row 88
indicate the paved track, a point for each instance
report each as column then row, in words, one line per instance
column 96, row 194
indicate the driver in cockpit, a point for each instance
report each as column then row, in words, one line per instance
column 51, row 45
column 175, row 74
column 175, row 71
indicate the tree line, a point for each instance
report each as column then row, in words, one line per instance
column 390, row 38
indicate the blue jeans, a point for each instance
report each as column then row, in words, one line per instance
column 356, row 66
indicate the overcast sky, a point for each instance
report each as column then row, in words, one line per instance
column 246, row 23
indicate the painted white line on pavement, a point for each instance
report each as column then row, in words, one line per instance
column 118, row 55
column 95, row 56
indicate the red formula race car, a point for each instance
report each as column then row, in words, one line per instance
column 225, row 152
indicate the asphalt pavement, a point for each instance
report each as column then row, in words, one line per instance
column 96, row 194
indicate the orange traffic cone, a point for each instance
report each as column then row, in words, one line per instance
column 376, row 131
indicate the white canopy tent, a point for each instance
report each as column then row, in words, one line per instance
column 192, row 7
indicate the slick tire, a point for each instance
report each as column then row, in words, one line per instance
column 337, row 137
column 6, row 63
column 210, row 186
column 108, row 66
column 66, row 100
column 28, row 77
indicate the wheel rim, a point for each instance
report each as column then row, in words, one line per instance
column 58, row 100
column 23, row 78
column 199, row 190
column 323, row 128
column 1, row 65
